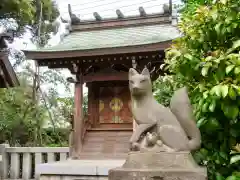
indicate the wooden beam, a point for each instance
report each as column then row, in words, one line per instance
column 97, row 16
column 119, row 14
column 121, row 76
column 8, row 70
column 3, row 81
column 142, row 12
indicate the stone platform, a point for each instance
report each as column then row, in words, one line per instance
column 77, row 169
column 159, row 166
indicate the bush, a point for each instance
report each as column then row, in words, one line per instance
column 207, row 60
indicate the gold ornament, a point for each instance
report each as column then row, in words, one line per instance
column 116, row 104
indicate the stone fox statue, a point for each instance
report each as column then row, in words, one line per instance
column 174, row 126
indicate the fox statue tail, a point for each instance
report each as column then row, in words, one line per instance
column 181, row 107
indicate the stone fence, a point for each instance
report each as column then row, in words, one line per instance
column 18, row 163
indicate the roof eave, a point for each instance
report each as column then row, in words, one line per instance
column 45, row 55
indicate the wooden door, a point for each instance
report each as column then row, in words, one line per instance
column 114, row 107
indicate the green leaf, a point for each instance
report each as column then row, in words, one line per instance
column 212, row 106
column 232, row 178
column 233, row 132
column 213, row 124
column 232, row 93
column 229, row 68
column 236, row 44
column 204, row 152
column 188, row 56
column 205, row 94
column 230, row 111
column 205, row 70
column 237, row 70
column 205, row 107
column 201, row 122
column 219, row 177
column 217, row 28
column 237, row 88
column 218, row 90
column 234, row 159
column 223, row 1
column 201, row 102
column 224, row 90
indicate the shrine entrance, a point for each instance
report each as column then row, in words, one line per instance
column 113, row 105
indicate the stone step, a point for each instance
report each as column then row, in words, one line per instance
column 106, row 144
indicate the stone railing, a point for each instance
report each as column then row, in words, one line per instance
column 19, row 162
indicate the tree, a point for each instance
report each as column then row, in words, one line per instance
column 206, row 59
column 29, row 106
column 16, row 114
column 17, row 15
column 24, row 11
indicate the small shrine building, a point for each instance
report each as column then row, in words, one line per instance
column 100, row 53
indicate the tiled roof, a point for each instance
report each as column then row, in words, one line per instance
column 115, row 37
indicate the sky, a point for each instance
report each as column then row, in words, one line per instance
column 85, row 9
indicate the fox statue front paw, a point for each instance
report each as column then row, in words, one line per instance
column 134, row 146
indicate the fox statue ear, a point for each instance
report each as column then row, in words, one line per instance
column 132, row 72
column 145, row 72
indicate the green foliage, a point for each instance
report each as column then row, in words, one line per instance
column 23, row 121
column 21, row 10
column 17, row 112
column 207, row 60
column 29, row 12
column 24, row 11
column 191, row 5
column 164, row 88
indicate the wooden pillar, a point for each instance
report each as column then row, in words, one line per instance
column 78, row 119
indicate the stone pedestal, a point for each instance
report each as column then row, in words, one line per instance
column 159, row 166
column 76, row 169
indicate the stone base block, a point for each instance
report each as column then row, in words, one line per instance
column 159, row 166
column 155, row 174
column 68, row 177
column 77, row 169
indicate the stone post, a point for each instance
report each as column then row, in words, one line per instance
column 3, row 161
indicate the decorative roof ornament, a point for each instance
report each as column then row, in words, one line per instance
column 73, row 17
column 97, row 16
column 142, row 12
column 119, row 14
